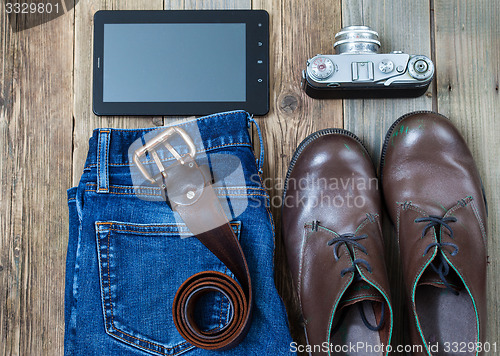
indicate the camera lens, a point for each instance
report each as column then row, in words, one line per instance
column 356, row 40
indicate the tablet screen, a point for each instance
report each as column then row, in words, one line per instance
column 174, row 62
column 180, row 62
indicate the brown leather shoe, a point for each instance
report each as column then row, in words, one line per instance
column 435, row 198
column 332, row 233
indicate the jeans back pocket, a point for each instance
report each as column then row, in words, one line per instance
column 141, row 267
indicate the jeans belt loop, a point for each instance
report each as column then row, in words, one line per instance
column 260, row 161
column 103, row 160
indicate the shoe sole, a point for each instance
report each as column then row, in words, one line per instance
column 388, row 137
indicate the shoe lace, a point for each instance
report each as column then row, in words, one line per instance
column 443, row 268
column 352, row 239
column 349, row 239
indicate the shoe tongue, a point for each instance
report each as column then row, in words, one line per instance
column 360, row 291
column 431, row 278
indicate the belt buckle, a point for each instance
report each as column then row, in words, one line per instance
column 163, row 138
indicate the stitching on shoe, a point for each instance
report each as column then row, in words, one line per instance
column 305, row 236
column 480, row 221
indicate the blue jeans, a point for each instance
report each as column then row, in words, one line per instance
column 128, row 252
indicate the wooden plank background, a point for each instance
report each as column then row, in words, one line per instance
column 399, row 29
column 46, row 119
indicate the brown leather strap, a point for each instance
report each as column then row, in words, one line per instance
column 190, row 193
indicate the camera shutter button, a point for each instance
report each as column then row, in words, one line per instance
column 386, row 66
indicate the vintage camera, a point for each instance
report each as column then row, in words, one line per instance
column 359, row 71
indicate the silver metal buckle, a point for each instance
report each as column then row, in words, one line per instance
column 158, row 140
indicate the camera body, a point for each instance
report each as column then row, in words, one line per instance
column 359, row 71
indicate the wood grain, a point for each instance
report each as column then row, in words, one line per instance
column 407, row 31
column 46, row 119
column 10, row 274
column 36, row 121
column 468, row 60
column 298, row 31
column 207, row 4
column 399, row 29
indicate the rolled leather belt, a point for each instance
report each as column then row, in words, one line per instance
column 190, row 193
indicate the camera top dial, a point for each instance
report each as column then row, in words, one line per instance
column 421, row 67
column 322, row 67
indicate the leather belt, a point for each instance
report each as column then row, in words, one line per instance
column 190, row 193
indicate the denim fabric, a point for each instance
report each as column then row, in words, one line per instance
column 128, row 252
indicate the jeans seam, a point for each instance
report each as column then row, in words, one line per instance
column 243, row 144
column 233, row 224
column 154, row 195
column 159, row 188
column 152, row 232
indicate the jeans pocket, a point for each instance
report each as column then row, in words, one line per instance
column 141, row 266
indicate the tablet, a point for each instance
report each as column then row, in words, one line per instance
column 180, row 62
